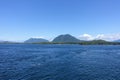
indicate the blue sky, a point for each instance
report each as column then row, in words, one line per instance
column 22, row 19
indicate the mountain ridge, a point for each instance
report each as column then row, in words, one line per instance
column 36, row 40
column 65, row 38
column 117, row 40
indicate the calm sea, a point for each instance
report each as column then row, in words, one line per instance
column 59, row 62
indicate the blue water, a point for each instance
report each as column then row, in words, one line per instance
column 59, row 62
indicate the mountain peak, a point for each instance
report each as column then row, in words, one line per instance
column 35, row 40
column 65, row 38
column 117, row 40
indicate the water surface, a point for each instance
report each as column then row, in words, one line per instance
column 59, row 62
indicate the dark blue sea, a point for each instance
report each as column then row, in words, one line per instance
column 59, row 62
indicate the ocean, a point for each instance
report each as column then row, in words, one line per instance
column 59, row 62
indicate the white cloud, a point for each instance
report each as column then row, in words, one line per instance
column 86, row 37
column 108, row 37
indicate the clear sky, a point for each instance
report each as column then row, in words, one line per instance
column 22, row 19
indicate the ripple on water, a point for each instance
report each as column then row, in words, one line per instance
column 59, row 62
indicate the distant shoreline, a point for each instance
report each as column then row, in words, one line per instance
column 79, row 43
